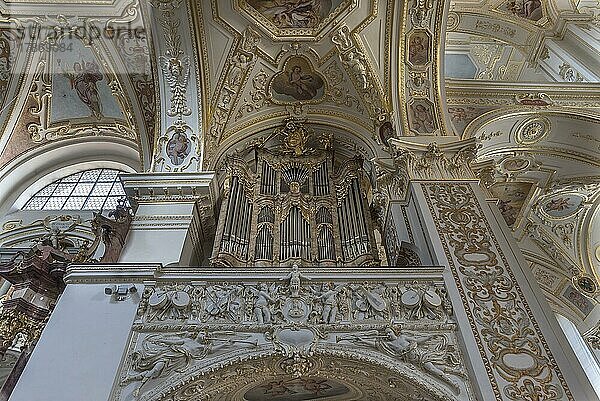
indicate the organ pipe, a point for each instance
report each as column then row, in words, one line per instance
column 353, row 228
column 307, row 193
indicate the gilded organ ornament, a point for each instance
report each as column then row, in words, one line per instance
column 306, row 207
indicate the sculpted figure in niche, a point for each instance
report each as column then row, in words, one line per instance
column 386, row 132
column 238, row 65
column 342, row 39
column 19, row 342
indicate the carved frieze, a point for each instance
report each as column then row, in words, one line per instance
column 433, row 160
column 487, row 283
column 183, row 331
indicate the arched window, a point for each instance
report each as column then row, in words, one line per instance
column 97, row 189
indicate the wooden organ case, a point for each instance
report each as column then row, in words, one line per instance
column 293, row 202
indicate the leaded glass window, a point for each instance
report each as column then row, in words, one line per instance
column 97, row 189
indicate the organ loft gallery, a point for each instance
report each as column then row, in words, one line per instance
column 293, row 200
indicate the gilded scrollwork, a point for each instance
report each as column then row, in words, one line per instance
column 240, row 64
column 489, row 285
column 258, row 97
column 338, row 91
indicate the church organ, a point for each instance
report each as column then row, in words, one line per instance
column 290, row 201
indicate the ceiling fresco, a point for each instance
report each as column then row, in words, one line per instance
column 85, row 76
column 294, row 62
column 291, row 18
column 185, row 83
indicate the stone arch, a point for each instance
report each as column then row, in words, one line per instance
column 337, row 375
column 485, row 119
column 354, row 137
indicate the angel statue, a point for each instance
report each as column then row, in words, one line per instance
column 294, row 276
column 329, row 299
column 409, row 349
column 261, row 305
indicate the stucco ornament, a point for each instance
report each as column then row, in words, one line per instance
column 355, row 62
column 304, row 319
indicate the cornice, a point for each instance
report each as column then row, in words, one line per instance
column 584, row 91
column 140, row 273
column 167, row 187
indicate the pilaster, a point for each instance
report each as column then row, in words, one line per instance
column 172, row 213
column 507, row 328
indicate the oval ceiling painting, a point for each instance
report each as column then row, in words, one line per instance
column 561, row 206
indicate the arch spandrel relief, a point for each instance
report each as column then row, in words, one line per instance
column 300, row 330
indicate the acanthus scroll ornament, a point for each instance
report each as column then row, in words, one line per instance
column 435, row 161
column 176, row 69
column 480, row 268
column 202, row 326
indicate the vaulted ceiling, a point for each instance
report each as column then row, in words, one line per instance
column 183, row 83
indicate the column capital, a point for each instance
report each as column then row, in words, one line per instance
column 446, row 158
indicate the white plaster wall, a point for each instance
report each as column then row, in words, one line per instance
column 80, row 349
column 158, row 226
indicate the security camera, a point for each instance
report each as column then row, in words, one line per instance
column 121, row 291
